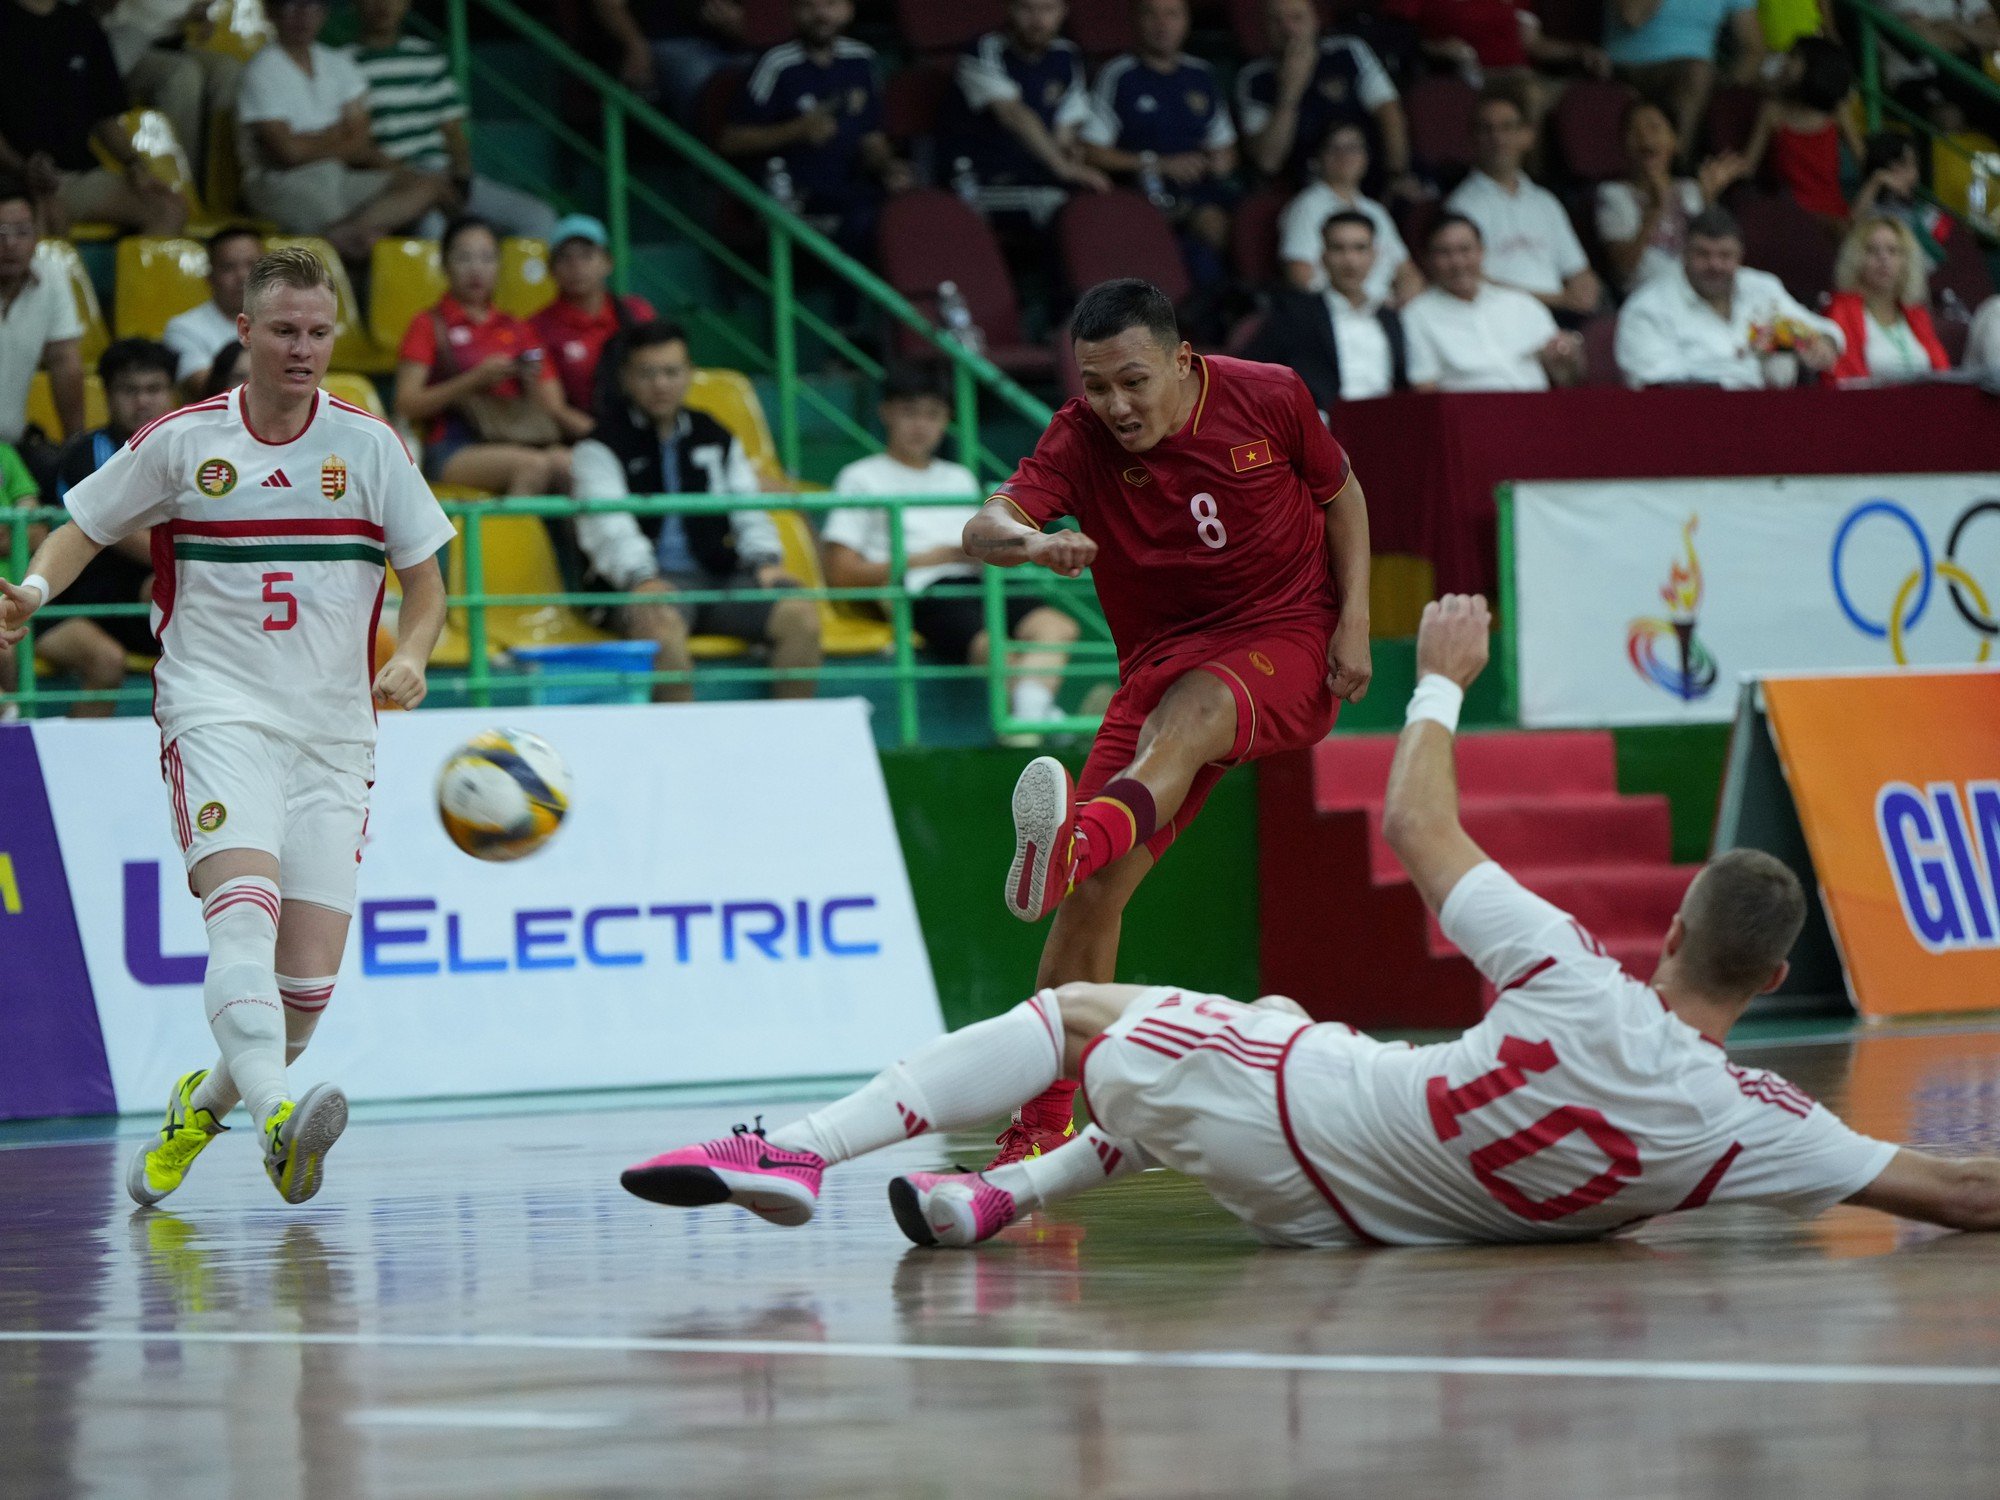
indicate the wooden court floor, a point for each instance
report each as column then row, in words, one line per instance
column 472, row 1308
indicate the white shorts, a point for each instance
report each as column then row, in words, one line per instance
column 240, row 786
column 1194, row 1081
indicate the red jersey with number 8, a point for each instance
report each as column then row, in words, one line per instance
column 1218, row 530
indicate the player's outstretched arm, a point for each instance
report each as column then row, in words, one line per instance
column 998, row 536
column 1348, row 653
column 1962, row 1193
column 64, row 554
column 1420, row 812
column 418, row 625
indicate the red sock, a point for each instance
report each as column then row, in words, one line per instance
column 1110, row 825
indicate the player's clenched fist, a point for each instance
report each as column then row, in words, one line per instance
column 1064, row 552
column 401, row 682
column 1454, row 637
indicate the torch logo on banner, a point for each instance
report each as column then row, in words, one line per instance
column 1666, row 652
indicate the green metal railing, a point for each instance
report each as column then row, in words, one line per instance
column 489, row 671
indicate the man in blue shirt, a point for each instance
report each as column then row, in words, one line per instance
column 1287, row 101
column 814, row 103
column 1666, row 49
column 1161, row 103
column 1028, row 80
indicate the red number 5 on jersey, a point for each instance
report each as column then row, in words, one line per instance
column 275, row 595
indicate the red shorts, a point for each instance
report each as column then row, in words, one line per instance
column 1284, row 701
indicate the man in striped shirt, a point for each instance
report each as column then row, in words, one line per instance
column 418, row 116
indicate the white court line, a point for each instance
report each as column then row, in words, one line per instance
column 497, row 1420
column 1723, row 1372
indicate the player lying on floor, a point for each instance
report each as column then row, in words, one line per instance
column 1584, row 1102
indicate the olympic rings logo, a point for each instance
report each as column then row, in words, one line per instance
column 1913, row 595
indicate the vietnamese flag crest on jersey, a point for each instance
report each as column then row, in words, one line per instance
column 1254, row 455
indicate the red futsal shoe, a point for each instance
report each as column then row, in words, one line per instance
column 1041, row 1125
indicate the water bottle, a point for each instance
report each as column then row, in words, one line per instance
column 1979, row 192
column 1151, row 183
column 965, row 182
column 778, row 183
column 956, row 316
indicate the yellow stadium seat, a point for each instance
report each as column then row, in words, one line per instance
column 236, row 28
column 525, row 286
column 730, row 398
column 158, row 279
column 356, row 390
column 1951, row 170
column 42, row 405
column 353, row 349
column 151, row 135
column 405, row 278
column 58, row 259
column 842, row 632
column 520, row 558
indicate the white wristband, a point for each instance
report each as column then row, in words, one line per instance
column 1438, row 699
column 40, row 585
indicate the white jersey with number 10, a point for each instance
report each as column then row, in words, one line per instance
column 268, row 563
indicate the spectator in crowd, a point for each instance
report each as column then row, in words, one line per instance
column 1530, row 243
column 1027, row 79
column 586, row 313
column 1642, row 220
column 1803, row 129
column 1982, row 340
column 856, row 544
column 227, row 371
column 1339, row 168
column 1667, row 50
column 1497, row 42
column 813, row 107
column 60, row 94
column 189, row 85
column 1966, row 29
column 1890, row 175
column 1161, row 122
column 1470, row 334
column 195, row 335
column 1713, row 321
column 669, row 49
column 482, row 383
column 649, row 442
column 309, row 158
column 417, row 117
column 39, row 329
column 138, row 388
column 1344, row 341
column 1286, row 102
column 1885, row 324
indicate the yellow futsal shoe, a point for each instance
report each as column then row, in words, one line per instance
column 161, row 1165
column 297, row 1138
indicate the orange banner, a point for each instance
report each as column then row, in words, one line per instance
column 1897, row 782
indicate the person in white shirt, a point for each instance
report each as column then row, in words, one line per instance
column 199, row 334
column 1339, row 166
column 1468, row 334
column 1585, row 1103
column 1700, row 324
column 1530, row 242
column 1642, row 220
column 39, row 326
column 1344, row 344
column 310, row 160
column 855, row 541
column 1982, row 342
column 276, row 510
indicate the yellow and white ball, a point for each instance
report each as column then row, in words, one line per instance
column 503, row 794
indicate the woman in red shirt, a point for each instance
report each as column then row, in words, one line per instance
column 466, row 348
column 1880, row 304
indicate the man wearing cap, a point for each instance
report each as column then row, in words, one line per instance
column 585, row 315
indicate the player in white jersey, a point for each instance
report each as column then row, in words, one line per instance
column 1584, row 1102
column 274, row 511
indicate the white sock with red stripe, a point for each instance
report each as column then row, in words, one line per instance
column 304, row 1001
column 241, row 989
column 976, row 1074
column 1089, row 1161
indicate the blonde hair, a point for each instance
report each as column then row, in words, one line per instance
column 1916, row 288
column 293, row 266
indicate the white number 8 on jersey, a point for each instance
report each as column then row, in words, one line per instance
column 1207, row 524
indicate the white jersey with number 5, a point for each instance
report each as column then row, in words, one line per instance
column 268, row 564
column 1580, row 1104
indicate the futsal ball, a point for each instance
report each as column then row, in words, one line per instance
column 503, row 794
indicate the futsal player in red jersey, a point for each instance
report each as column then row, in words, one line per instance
column 1228, row 540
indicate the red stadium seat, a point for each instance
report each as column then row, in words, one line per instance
column 1731, row 117
column 1589, row 126
column 1572, row 20
column 912, row 101
column 1414, row 218
column 1600, row 345
column 1957, row 288
column 1102, row 28
column 767, row 22
column 1105, row 235
column 947, row 25
column 1440, row 111
column 928, row 237
column 1253, row 236
column 1782, row 238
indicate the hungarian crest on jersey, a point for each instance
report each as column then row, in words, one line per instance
column 215, row 478
column 333, row 477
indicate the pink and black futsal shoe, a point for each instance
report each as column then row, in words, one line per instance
column 1044, row 839
column 741, row 1168
column 950, row 1208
